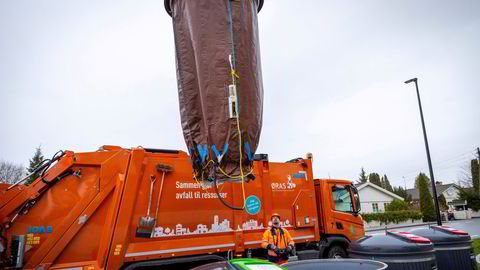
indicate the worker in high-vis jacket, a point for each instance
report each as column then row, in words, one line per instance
column 277, row 241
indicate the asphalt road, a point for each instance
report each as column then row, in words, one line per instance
column 471, row 226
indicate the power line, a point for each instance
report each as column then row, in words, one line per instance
column 441, row 165
column 455, row 158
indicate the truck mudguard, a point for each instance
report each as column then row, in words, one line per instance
column 331, row 240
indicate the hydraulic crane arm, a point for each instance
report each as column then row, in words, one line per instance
column 60, row 202
column 18, row 199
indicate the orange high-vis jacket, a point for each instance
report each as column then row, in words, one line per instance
column 279, row 237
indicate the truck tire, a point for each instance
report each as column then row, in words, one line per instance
column 337, row 252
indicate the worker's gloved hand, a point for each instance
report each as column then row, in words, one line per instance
column 271, row 246
column 291, row 250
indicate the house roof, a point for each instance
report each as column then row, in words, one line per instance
column 369, row 184
column 415, row 193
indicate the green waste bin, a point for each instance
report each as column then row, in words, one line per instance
column 240, row 264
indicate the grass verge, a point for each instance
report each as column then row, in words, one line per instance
column 476, row 249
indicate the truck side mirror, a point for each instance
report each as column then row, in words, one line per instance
column 356, row 197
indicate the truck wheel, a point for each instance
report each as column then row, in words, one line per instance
column 337, row 252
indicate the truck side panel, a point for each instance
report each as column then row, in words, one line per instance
column 193, row 221
column 90, row 217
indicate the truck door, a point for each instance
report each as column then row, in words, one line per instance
column 343, row 220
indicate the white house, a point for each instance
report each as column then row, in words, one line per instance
column 373, row 198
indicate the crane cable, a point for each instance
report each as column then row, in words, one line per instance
column 216, row 165
column 232, row 60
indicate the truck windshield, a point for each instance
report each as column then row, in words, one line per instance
column 342, row 201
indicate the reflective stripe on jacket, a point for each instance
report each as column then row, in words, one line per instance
column 280, row 238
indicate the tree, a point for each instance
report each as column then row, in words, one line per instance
column 470, row 180
column 442, row 202
column 469, row 174
column 10, row 173
column 473, row 200
column 400, row 191
column 386, row 184
column 426, row 201
column 374, row 178
column 36, row 160
column 474, row 168
column 362, row 177
column 416, row 181
column 397, row 205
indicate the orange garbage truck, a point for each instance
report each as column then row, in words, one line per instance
column 120, row 208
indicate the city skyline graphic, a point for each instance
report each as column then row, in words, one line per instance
column 215, row 227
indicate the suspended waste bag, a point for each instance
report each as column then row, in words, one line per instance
column 220, row 86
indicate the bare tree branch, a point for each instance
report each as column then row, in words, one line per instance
column 10, row 172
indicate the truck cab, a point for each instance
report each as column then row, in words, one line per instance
column 338, row 206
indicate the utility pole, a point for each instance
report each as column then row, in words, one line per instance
column 478, row 169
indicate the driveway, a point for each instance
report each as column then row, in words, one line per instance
column 471, row 226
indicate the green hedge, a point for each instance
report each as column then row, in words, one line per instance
column 392, row 216
column 397, row 205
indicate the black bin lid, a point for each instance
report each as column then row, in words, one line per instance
column 443, row 235
column 392, row 242
column 335, row 264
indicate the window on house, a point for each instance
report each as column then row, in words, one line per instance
column 375, row 207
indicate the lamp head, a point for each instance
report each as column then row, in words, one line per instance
column 411, row 80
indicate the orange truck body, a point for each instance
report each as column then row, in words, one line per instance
column 84, row 212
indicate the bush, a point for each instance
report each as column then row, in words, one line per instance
column 473, row 200
column 392, row 216
column 397, row 205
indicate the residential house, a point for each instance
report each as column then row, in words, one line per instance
column 373, row 198
column 449, row 191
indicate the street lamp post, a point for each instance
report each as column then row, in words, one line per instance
column 439, row 220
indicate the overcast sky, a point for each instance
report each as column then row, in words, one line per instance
column 80, row 74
